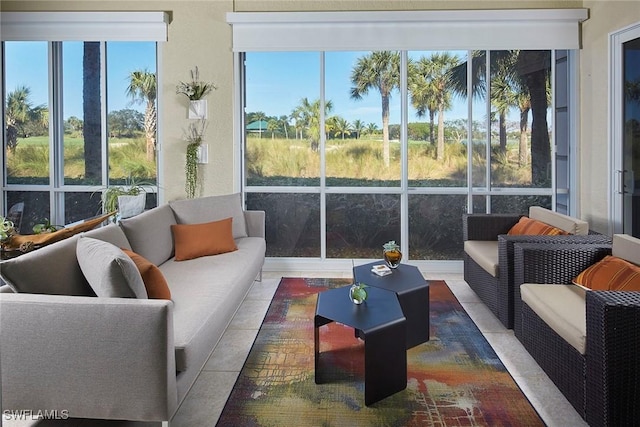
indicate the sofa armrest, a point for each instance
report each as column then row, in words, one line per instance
column 487, row 226
column 110, row 358
column 255, row 223
column 542, row 263
column 613, row 365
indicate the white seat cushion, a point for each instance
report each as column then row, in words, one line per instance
column 485, row 254
column 562, row 308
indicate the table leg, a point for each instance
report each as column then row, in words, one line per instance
column 385, row 362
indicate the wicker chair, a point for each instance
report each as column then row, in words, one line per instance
column 496, row 290
column 602, row 381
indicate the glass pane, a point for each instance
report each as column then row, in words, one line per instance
column 479, row 204
column 359, row 224
column 631, row 138
column 292, row 223
column 132, row 115
column 363, row 118
column 437, row 119
column 80, row 206
column 518, row 204
column 435, row 226
column 35, row 208
column 520, row 88
column 27, row 112
column 82, row 111
column 282, row 118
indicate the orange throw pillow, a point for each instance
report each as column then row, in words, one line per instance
column 528, row 226
column 208, row 238
column 154, row 281
column 610, row 274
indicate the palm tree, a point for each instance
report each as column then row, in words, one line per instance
column 371, row 128
column 379, row 70
column 358, row 126
column 16, row 114
column 530, row 79
column 272, row 126
column 342, row 127
column 431, row 85
column 142, row 88
column 309, row 113
column 534, row 68
column 284, row 122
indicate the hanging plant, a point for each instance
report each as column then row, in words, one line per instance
column 195, row 89
column 194, row 136
column 191, row 170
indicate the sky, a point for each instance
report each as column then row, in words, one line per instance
column 26, row 65
column 276, row 82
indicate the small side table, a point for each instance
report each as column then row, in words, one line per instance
column 413, row 294
column 379, row 321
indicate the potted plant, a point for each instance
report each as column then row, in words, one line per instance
column 196, row 90
column 194, row 136
column 6, row 229
column 114, row 198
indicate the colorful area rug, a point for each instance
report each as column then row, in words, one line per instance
column 455, row 379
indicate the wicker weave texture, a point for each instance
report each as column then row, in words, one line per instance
column 564, row 365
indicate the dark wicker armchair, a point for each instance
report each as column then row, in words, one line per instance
column 603, row 384
column 496, row 291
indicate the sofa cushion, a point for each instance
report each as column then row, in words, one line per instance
column 212, row 208
column 626, row 247
column 58, row 261
column 610, row 274
column 109, row 271
column 154, row 282
column 485, row 254
column 562, row 308
column 533, row 227
column 567, row 223
column 197, row 240
column 150, row 233
column 206, row 292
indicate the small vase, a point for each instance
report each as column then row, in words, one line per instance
column 392, row 257
column 357, row 294
column 198, row 109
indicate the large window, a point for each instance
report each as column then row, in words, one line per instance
column 79, row 111
column 350, row 145
column 348, row 149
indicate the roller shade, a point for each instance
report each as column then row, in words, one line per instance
column 410, row 30
column 84, row 26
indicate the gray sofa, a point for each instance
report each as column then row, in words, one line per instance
column 64, row 349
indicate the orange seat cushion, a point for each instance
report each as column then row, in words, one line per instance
column 154, row 281
column 610, row 274
column 528, row 226
column 198, row 240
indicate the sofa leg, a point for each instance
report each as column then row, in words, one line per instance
column 259, row 278
column 165, row 423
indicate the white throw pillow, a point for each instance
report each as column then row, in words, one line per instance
column 109, row 271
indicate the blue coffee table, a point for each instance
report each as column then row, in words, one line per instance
column 379, row 321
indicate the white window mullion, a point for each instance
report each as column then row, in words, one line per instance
column 323, row 175
column 487, row 171
column 470, row 131
column 404, row 153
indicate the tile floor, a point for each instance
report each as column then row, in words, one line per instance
column 206, row 399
